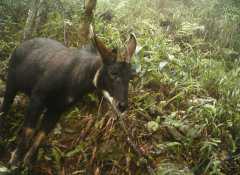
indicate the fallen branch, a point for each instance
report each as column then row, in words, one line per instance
column 145, row 159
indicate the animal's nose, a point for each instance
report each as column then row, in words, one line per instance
column 122, row 106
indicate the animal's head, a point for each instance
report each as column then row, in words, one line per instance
column 113, row 78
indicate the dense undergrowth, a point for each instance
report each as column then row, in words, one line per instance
column 184, row 102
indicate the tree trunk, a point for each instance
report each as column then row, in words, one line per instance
column 31, row 24
column 86, row 32
column 63, row 12
column 41, row 16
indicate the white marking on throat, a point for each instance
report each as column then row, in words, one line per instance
column 108, row 96
column 96, row 76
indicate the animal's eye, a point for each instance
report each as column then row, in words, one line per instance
column 113, row 72
column 114, row 75
column 118, row 79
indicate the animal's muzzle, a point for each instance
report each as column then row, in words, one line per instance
column 122, row 106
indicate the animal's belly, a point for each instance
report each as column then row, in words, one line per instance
column 26, row 81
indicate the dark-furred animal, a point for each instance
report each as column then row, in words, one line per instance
column 56, row 77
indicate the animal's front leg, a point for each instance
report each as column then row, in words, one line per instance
column 23, row 144
column 49, row 121
column 33, row 112
column 37, row 141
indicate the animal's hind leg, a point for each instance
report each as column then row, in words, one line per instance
column 49, row 121
column 32, row 116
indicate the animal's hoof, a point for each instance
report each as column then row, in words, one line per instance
column 13, row 162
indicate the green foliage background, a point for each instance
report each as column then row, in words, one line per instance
column 184, row 103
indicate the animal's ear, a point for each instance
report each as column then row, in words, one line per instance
column 103, row 50
column 131, row 47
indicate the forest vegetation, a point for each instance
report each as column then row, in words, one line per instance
column 184, row 101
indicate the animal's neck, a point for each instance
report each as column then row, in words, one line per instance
column 83, row 74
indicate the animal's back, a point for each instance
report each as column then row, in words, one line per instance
column 52, row 68
column 35, row 59
column 35, row 50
